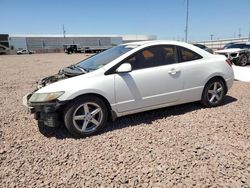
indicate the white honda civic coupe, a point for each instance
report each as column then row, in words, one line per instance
column 128, row 79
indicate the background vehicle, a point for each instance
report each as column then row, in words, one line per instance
column 128, row 79
column 204, row 48
column 25, row 51
column 75, row 48
column 238, row 53
column 228, row 44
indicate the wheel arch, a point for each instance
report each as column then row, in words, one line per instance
column 217, row 77
column 111, row 114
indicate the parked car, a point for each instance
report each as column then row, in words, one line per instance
column 238, row 53
column 204, row 48
column 25, row 51
column 128, row 79
column 228, row 44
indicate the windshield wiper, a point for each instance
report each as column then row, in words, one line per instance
column 79, row 68
column 82, row 69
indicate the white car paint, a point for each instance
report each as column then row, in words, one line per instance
column 229, row 50
column 150, row 88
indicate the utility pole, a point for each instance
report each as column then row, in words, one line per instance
column 211, row 40
column 239, row 35
column 212, row 35
column 249, row 32
column 186, row 30
column 64, row 32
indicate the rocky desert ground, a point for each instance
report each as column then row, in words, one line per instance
column 182, row 146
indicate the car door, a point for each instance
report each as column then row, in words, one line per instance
column 194, row 73
column 154, row 80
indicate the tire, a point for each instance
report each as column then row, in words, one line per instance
column 242, row 60
column 45, row 130
column 85, row 116
column 213, row 93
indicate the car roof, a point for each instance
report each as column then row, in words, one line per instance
column 242, row 43
column 169, row 42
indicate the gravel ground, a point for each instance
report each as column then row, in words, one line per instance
column 182, row 146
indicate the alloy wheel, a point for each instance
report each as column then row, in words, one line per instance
column 87, row 117
column 215, row 93
column 243, row 61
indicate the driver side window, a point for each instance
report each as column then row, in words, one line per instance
column 153, row 57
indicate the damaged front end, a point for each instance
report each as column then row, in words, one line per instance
column 40, row 84
column 50, row 79
column 236, row 55
column 65, row 73
column 47, row 111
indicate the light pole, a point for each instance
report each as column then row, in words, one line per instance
column 249, row 32
column 211, row 40
column 212, row 35
column 239, row 35
column 64, row 32
column 186, row 30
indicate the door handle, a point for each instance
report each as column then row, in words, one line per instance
column 173, row 71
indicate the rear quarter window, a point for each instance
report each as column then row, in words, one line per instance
column 188, row 55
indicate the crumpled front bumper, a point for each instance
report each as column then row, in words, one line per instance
column 25, row 103
column 45, row 112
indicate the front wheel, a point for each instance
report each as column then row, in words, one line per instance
column 85, row 116
column 213, row 93
column 242, row 60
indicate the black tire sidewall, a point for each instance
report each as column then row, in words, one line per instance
column 240, row 59
column 205, row 102
column 69, row 110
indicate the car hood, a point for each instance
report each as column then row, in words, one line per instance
column 229, row 50
column 71, row 83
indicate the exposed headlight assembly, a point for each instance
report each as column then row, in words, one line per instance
column 45, row 97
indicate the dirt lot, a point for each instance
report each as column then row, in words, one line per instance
column 181, row 146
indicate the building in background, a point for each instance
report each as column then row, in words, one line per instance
column 220, row 43
column 55, row 43
column 134, row 38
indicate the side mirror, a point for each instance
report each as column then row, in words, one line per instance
column 124, row 68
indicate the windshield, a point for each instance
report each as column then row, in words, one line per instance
column 236, row 46
column 99, row 60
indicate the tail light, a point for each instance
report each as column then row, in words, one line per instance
column 229, row 62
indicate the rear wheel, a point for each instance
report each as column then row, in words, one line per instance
column 85, row 116
column 213, row 93
column 242, row 60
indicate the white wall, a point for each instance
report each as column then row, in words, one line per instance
column 218, row 44
column 18, row 42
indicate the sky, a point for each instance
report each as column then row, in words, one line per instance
column 164, row 18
